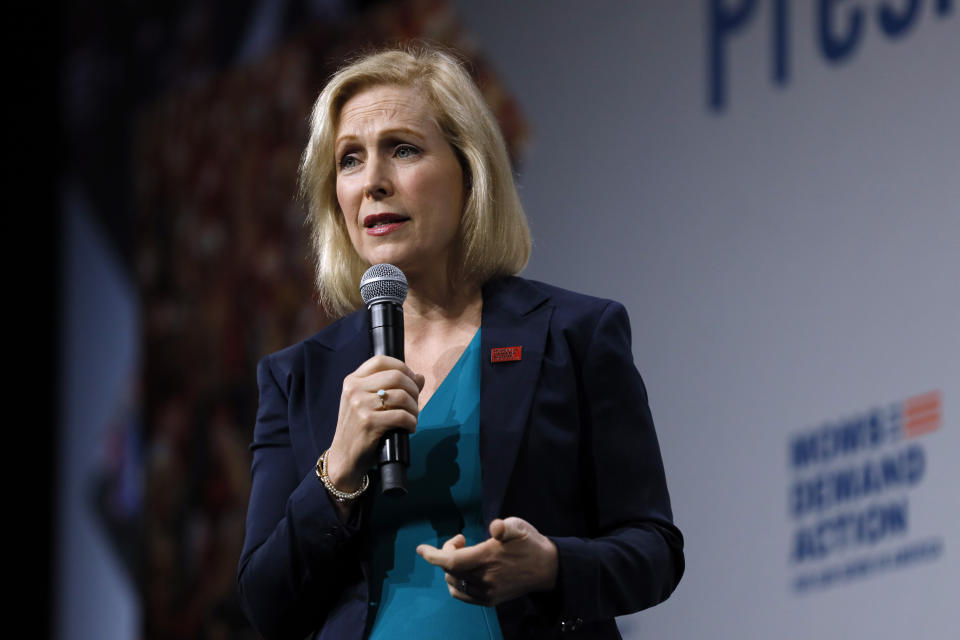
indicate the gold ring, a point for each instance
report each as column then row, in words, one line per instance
column 383, row 398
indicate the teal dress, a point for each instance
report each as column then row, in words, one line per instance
column 408, row 595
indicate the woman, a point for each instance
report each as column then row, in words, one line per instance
column 537, row 502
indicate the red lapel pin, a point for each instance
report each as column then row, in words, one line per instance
column 505, row 354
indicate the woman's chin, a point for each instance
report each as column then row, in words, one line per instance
column 398, row 260
column 415, row 262
column 408, row 261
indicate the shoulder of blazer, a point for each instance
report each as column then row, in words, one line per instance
column 517, row 297
column 331, row 338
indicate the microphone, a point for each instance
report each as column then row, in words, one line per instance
column 384, row 288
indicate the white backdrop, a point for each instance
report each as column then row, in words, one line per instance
column 789, row 262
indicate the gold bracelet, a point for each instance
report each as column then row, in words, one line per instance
column 340, row 496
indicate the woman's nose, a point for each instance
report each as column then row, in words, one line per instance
column 377, row 183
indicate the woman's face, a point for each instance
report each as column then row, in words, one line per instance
column 399, row 183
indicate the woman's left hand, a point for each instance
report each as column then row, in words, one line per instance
column 516, row 560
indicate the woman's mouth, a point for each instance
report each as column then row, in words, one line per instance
column 380, row 224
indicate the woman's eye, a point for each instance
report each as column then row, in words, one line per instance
column 348, row 162
column 406, row 151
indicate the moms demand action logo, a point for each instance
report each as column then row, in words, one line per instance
column 850, row 492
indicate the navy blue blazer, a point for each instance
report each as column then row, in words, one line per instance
column 566, row 442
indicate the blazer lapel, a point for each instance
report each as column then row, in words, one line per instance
column 514, row 314
column 332, row 356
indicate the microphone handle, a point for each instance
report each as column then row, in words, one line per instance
column 386, row 336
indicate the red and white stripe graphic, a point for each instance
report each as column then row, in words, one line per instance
column 921, row 414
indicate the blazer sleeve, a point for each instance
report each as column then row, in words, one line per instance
column 635, row 559
column 298, row 557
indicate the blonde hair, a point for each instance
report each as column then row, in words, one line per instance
column 494, row 236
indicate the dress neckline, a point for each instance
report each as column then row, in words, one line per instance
column 454, row 368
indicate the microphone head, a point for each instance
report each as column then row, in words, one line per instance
column 383, row 283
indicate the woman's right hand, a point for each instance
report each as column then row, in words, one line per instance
column 362, row 422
